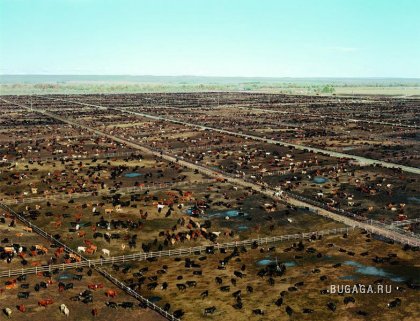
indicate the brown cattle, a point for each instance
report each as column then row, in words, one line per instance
column 11, row 285
column 111, row 293
column 45, row 302
column 95, row 286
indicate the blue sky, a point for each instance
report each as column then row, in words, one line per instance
column 274, row 38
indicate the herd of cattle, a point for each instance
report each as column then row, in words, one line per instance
column 106, row 223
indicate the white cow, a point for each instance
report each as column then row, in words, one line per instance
column 81, row 249
column 65, row 310
column 106, row 252
column 8, row 312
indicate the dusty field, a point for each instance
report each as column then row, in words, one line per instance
column 313, row 264
column 260, row 218
column 106, row 198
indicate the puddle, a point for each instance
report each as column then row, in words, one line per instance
column 132, row 175
column 193, row 211
column 242, row 228
column 414, row 199
column 228, row 213
column 264, row 262
column 65, row 276
column 374, row 271
column 289, row 264
column 269, row 261
column 154, row 299
column 320, row 180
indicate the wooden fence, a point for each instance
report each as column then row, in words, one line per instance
column 123, row 190
column 169, row 253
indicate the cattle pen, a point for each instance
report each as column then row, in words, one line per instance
column 292, row 199
column 168, row 253
column 123, row 191
column 186, row 220
column 107, row 275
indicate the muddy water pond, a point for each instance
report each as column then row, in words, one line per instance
column 227, row 214
column 132, row 175
column 268, row 261
column 320, row 180
column 399, row 274
column 392, row 273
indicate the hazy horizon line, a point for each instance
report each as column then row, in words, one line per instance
column 212, row 76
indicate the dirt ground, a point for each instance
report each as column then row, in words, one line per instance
column 303, row 267
column 174, row 207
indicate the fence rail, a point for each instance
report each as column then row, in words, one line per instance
column 60, row 158
column 169, row 253
column 83, row 156
column 123, row 190
column 406, row 222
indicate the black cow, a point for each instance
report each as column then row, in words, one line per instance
column 181, row 287
column 349, row 299
column 178, row 313
column 237, row 294
column 23, row 295
column 191, row 284
column 238, row 274
column 289, row 310
column 209, row 310
column 332, row 306
column 112, row 305
column 279, row 302
column 394, row 303
column 21, row 277
column 127, row 305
